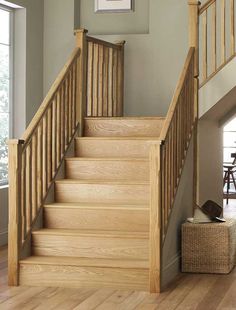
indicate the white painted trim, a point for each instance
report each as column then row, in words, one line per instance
column 113, row 6
column 10, row 4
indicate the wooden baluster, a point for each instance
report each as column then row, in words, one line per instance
column 39, row 166
column 166, row 183
column 213, row 55
column 44, row 153
column 105, row 81
column 95, row 80
column 59, row 102
column 155, row 218
column 23, row 210
column 74, row 97
column 204, row 45
column 114, row 82
column 69, row 106
column 232, row 29
column 49, row 146
column 90, row 80
column 120, row 79
column 223, row 55
column 62, row 117
column 110, row 80
column 82, row 74
column 100, row 80
column 14, row 232
column 28, row 186
column 34, row 175
column 66, row 114
column 54, row 137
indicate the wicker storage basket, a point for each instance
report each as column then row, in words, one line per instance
column 209, row 248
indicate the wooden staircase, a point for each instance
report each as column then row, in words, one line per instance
column 96, row 233
column 97, row 216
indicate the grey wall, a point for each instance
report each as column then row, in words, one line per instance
column 59, row 39
column 153, row 61
column 183, row 208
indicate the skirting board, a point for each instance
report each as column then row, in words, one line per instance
column 3, row 237
column 171, row 270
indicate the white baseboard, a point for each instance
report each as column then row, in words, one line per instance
column 3, row 237
column 171, row 269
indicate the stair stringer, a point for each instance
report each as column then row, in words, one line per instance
column 182, row 209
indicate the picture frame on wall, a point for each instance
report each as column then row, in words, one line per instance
column 113, row 6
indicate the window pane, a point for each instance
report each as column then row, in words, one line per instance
column 4, row 95
column 231, row 126
column 227, row 155
column 230, row 139
column 4, row 134
column 4, row 61
column 4, row 26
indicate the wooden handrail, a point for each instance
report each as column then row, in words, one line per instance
column 205, row 6
column 105, row 43
column 177, row 92
column 34, row 160
column 54, row 88
column 167, row 160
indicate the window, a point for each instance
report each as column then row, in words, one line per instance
column 5, row 89
column 229, row 141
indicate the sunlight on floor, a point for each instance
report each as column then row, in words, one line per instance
column 230, row 209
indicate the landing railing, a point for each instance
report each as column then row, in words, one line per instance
column 105, row 86
column 35, row 159
column 217, row 37
column 167, row 161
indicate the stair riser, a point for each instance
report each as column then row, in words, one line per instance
column 112, row 148
column 107, row 170
column 89, row 247
column 72, row 192
column 101, row 219
column 123, row 127
column 83, row 277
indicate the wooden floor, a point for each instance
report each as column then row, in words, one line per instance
column 201, row 292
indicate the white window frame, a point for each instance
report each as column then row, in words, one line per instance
column 11, row 74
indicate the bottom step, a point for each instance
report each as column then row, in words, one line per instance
column 82, row 272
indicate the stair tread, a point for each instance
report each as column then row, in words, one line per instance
column 107, row 159
column 126, row 118
column 86, row 262
column 102, row 182
column 90, row 205
column 92, row 233
column 120, row 138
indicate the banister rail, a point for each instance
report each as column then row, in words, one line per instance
column 95, row 69
column 105, row 78
column 176, row 134
column 217, row 40
column 167, row 159
column 35, row 159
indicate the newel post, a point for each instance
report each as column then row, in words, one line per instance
column 81, row 97
column 194, row 8
column 14, row 224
